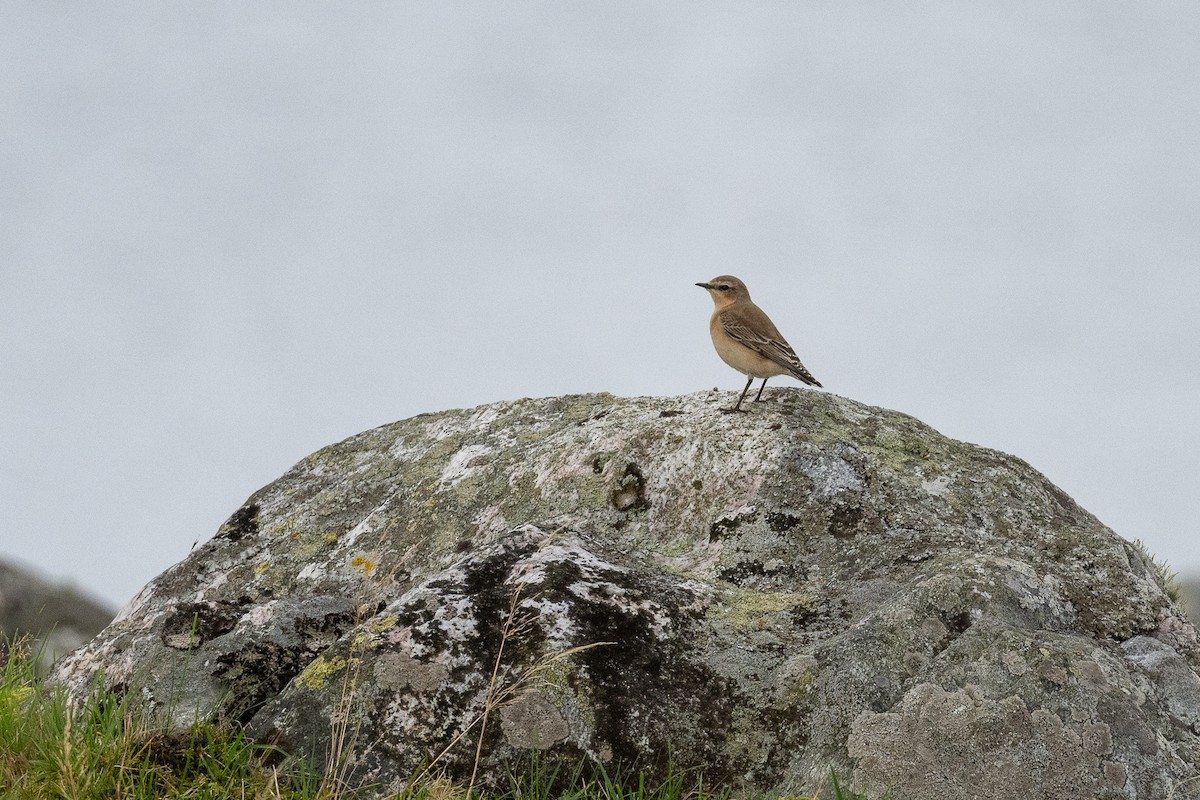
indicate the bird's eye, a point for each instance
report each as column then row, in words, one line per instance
column 722, row 288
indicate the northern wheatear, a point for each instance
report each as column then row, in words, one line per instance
column 747, row 340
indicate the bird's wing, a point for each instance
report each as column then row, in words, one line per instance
column 757, row 332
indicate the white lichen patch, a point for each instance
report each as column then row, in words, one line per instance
column 403, row 449
column 484, row 416
column 460, row 465
column 831, row 475
column 366, row 525
column 313, row 572
column 444, row 427
column 628, row 604
column 554, row 617
column 532, row 571
column 215, row 584
column 937, row 486
column 456, row 618
column 259, row 616
column 490, row 520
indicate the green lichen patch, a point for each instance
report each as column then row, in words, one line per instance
column 749, row 609
column 318, row 673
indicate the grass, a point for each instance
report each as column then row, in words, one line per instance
column 1168, row 577
column 105, row 748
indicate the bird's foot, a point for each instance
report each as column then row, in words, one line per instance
column 735, row 410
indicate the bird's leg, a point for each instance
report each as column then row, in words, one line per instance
column 759, row 395
column 738, row 405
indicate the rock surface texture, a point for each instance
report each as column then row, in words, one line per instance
column 816, row 583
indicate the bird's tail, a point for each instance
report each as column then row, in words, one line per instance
column 802, row 374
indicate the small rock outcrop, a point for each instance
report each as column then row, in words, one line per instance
column 56, row 618
column 762, row 596
column 1189, row 594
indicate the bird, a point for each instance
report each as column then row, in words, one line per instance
column 747, row 340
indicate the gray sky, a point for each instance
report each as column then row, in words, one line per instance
column 233, row 233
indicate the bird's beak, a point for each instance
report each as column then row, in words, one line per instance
column 704, row 285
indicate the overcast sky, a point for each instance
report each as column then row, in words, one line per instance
column 233, row 233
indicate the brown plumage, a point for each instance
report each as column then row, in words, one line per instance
column 747, row 340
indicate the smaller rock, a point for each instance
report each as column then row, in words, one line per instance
column 57, row 618
column 985, row 748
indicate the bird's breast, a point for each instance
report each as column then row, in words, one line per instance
column 737, row 355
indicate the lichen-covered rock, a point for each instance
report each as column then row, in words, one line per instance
column 762, row 596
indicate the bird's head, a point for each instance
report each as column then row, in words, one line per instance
column 726, row 289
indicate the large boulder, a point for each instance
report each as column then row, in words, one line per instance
column 814, row 584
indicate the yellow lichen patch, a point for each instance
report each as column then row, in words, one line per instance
column 383, row 623
column 309, row 546
column 748, row 608
column 593, row 491
column 363, row 564
column 318, row 673
column 801, row 687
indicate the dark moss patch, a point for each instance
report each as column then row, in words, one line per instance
column 754, row 574
column 630, row 495
column 781, row 522
column 190, row 625
column 319, row 633
column 722, row 528
column 844, row 520
column 956, row 622
column 647, row 668
column 850, row 515
column 242, row 523
column 816, row 621
column 255, row 674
